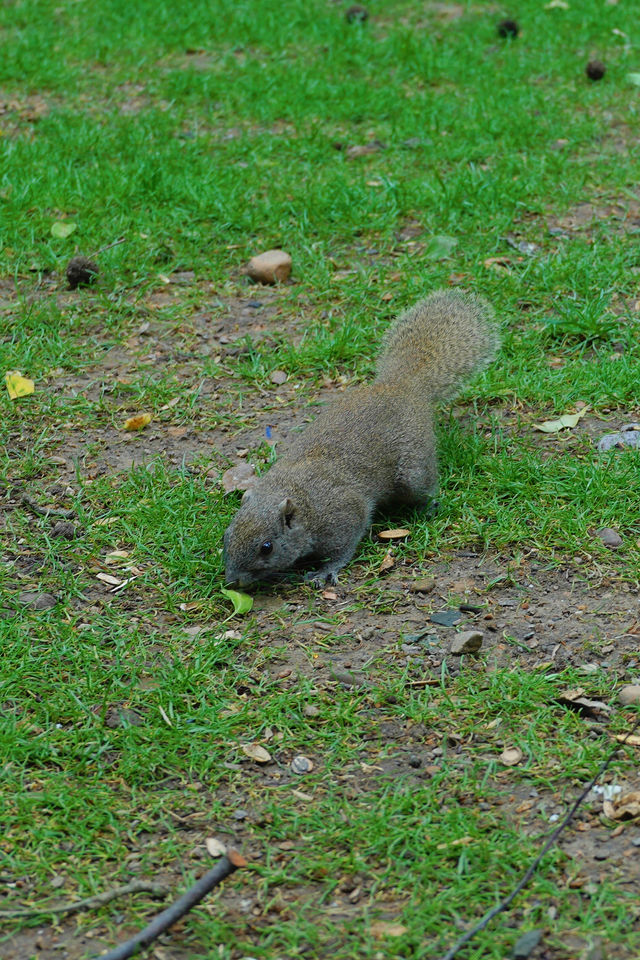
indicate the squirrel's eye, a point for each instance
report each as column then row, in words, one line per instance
column 266, row 547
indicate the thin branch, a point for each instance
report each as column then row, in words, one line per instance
column 74, row 906
column 168, row 917
column 502, row 906
column 115, row 243
column 46, row 511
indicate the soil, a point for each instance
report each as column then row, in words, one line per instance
column 532, row 615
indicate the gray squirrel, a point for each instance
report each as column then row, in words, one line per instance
column 372, row 446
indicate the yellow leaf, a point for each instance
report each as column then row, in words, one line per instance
column 566, row 420
column 17, row 385
column 138, row 422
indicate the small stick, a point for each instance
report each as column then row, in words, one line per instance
column 470, row 934
column 74, row 906
column 46, row 511
column 168, row 917
column 108, row 247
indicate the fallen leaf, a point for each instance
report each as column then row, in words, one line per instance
column 215, row 848
column 242, row 602
column 460, row 842
column 106, row 578
column 105, row 521
column 633, row 739
column 440, row 247
column 62, row 229
column 240, row 477
column 563, row 422
column 576, row 699
column 623, row 807
column 329, row 595
column 511, row 756
column 17, row 385
column 255, row 752
column 138, row 422
column 387, row 562
column 497, row 263
column 380, row 928
column 399, row 534
column 171, row 403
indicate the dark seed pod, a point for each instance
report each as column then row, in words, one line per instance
column 595, row 70
column 508, row 28
column 357, row 14
column 81, row 272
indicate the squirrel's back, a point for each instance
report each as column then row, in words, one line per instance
column 436, row 345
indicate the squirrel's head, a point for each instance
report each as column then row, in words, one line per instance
column 264, row 539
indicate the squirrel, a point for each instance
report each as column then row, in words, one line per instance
column 372, row 446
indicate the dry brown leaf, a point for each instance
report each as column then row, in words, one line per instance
column 399, row 534
column 511, row 756
column 632, row 739
column 387, row 562
column 107, row 578
column 497, row 263
column 255, row 752
column 623, row 807
column 380, row 928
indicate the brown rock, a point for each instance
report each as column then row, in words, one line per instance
column 468, row 642
column 273, row 266
column 629, row 694
column 425, row 585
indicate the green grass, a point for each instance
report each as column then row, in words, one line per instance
column 200, row 135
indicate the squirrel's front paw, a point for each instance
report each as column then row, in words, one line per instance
column 318, row 578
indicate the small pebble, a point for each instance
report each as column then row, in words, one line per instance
column 301, row 765
column 37, row 601
column 310, row 710
column 527, row 944
column 468, row 642
column 629, row 694
column 422, row 586
column 628, row 436
column 414, row 762
column 273, row 266
column 610, row 538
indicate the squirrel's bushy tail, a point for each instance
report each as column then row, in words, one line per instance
column 439, row 343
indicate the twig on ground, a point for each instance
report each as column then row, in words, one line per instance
column 502, row 906
column 74, row 906
column 46, row 511
column 226, row 865
column 115, row 243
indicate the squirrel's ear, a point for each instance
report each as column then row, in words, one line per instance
column 287, row 511
column 246, row 496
